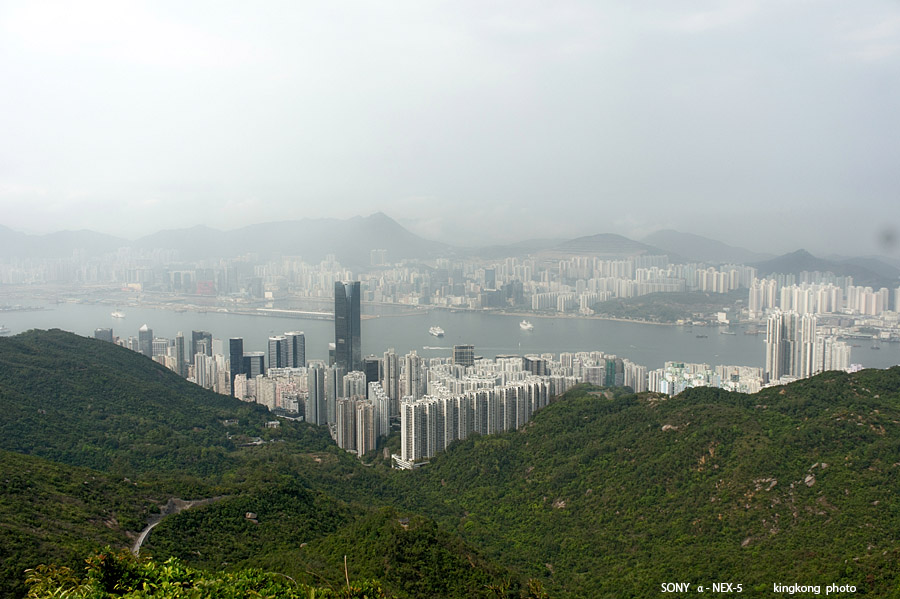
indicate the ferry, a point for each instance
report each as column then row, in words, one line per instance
column 4, row 330
column 118, row 314
column 436, row 331
column 525, row 325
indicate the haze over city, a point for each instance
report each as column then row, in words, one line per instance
column 468, row 123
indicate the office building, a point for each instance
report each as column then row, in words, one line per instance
column 296, row 349
column 347, row 346
column 160, row 346
column 315, row 409
column 254, row 364
column 235, row 358
column 464, row 355
column 278, row 352
column 104, row 334
column 372, row 368
column 145, row 341
column 201, row 342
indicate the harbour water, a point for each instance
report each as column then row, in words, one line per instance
column 492, row 334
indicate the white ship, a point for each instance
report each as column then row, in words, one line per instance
column 118, row 314
column 525, row 325
column 4, row 330
column 436, row 331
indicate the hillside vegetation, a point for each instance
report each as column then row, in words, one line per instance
column 612, row 497
column 604, row 494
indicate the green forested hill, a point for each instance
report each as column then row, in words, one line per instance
column 89, row 403
column 601, row 495
column 49, row 509
column 69, row 401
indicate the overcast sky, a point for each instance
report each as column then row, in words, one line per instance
column 753, row 122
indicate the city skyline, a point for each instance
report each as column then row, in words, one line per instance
column 561, row 120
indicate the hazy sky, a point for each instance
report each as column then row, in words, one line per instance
column 469, row 122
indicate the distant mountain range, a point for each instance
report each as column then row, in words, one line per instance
column 56, row 245
column 603, row 245
column 695, row 248
column 351, row 241
column 865, row 271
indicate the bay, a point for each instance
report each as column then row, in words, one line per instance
column 492, row 334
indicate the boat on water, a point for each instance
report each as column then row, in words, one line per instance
column 4, row 330
column 436, row 331
column 525, row 325
column 118, row 314
column 727, row 332
column 701, row 336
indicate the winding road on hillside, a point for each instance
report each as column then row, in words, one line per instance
column 173, row 506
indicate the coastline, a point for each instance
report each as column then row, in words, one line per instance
column 544, row 315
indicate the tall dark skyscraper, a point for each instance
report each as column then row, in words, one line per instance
column 235, row 358
column 254, row 364
column 296, row 349
column 464, row 355
column 347, row 347
column 372, row 368
column 278, row 352
column 315, row 411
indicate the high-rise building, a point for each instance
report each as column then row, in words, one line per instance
column 372, row 368
column 347, row 347
column 790, row 345
column 254, row 364
column 315, row 401
column 180, row 365
column 354, row 384
column 464, row 355
column 296, row 349
column 145, row 341
column 390, row 380
column 205, row 370
column 413, row 377
column 345, row 428
column 278, row 352
column 104, row 334
column 334, row 390
column 235, row 358
column 197, row 343
column 366, row 427
column 160, row 346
